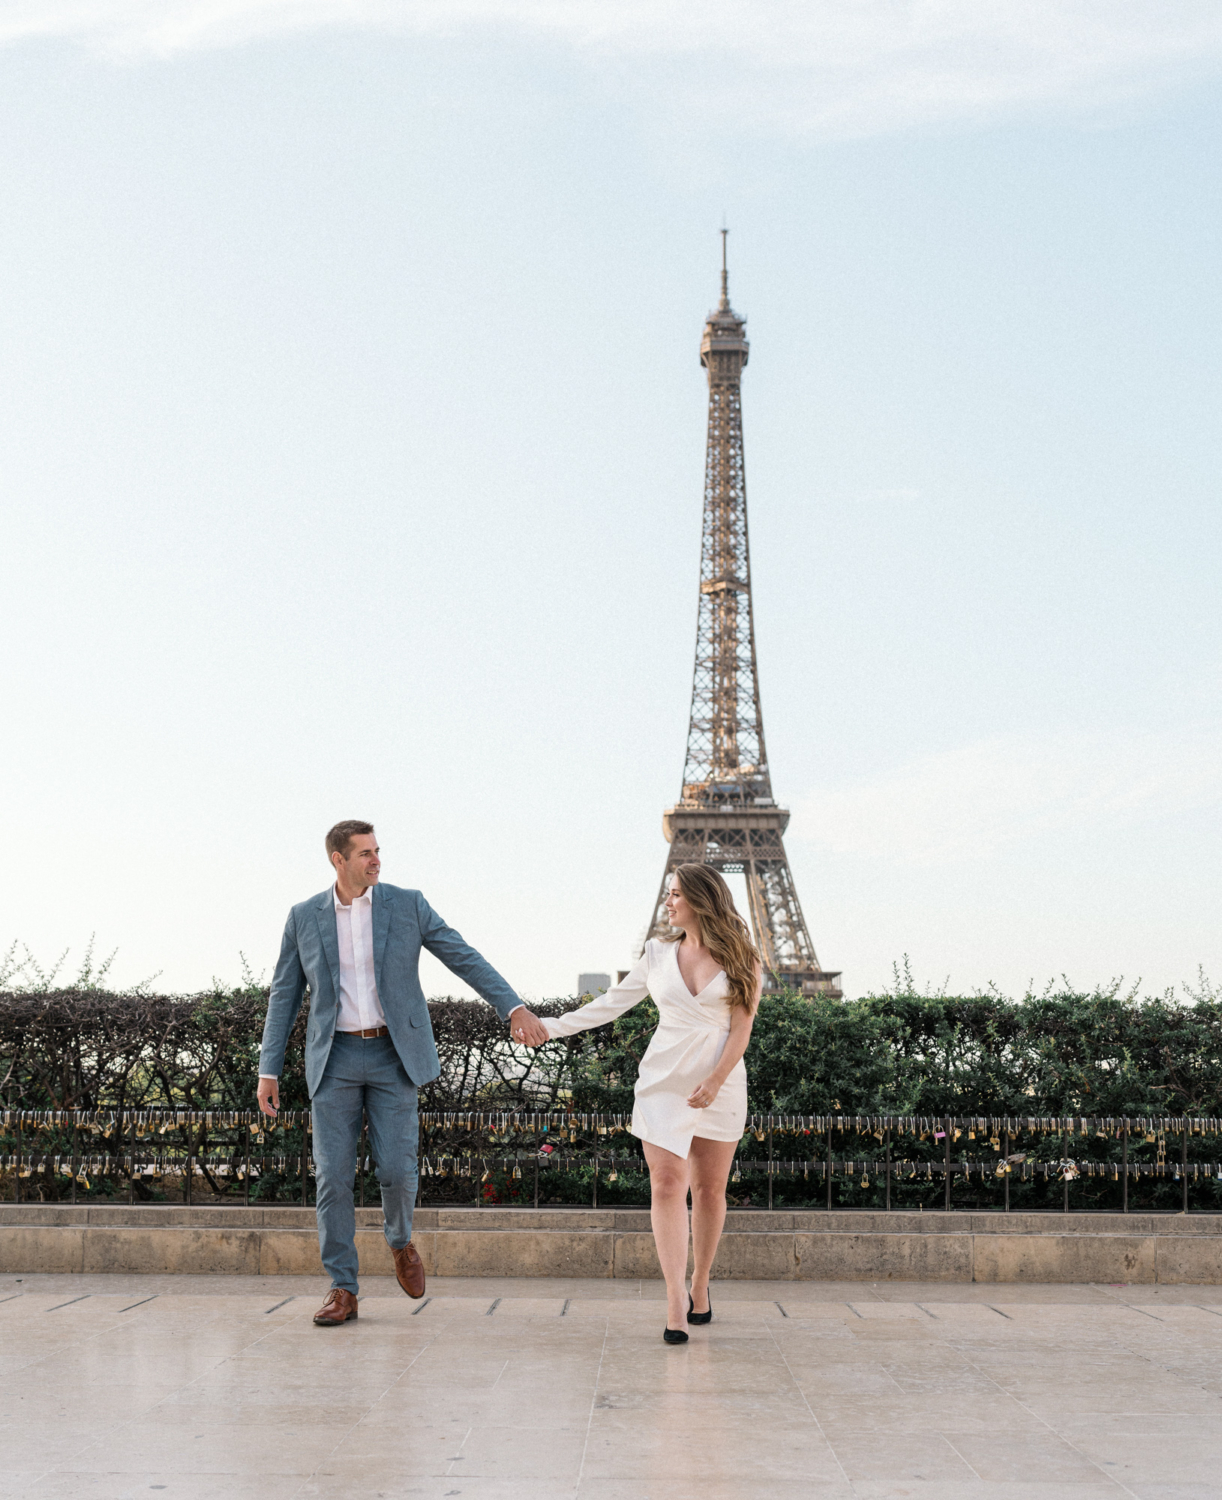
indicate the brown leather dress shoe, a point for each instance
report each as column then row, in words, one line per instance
column 338, row 1308
column 409, row 1268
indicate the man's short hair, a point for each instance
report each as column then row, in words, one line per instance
column 343, row 833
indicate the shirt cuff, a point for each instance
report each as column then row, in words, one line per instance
column 273, row 1076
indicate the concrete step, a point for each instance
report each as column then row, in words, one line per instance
column 782, row 1246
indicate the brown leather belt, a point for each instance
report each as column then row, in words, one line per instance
column 372, row 1031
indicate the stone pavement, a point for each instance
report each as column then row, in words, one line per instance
column 220, row 1388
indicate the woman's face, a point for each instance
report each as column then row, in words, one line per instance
column 677, row 908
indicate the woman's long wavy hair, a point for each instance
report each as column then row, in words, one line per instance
column 722, row 931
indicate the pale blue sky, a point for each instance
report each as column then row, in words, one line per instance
column 351, row 443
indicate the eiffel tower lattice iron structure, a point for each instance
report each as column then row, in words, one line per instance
column 727, row 816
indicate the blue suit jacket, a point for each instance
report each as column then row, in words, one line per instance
column 403, row 923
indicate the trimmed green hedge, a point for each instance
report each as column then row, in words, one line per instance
column 1063, row 1053
column 1055, row 1054
column 1058, row 1054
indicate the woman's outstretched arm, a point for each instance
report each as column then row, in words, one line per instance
column 614, row 1002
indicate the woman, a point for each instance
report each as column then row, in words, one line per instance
column 691, row 1090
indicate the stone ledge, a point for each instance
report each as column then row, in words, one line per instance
column 605, row 1220
column 616, row 1243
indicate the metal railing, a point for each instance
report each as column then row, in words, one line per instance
column 229, row 1150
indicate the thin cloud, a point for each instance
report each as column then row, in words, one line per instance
column 982, row 798
column 820, row 66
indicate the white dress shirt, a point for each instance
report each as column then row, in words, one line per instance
column 359, row 1006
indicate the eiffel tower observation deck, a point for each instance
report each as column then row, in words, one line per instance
column 727, row 816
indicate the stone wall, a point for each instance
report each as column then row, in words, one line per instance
column 783, row 1246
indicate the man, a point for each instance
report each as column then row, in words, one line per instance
column 369, row 1045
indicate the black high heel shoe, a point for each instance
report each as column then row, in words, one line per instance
column 695, row 1317
column 674, row 1336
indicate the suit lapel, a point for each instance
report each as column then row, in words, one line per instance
column 381, row 926
column 330, row 937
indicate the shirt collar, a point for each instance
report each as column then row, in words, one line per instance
column 339, row 905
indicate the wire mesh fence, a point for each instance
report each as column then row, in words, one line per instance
column 532, row 1158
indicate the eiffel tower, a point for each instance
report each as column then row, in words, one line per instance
column 727, row 816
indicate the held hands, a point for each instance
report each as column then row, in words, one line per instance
column 704, row 1094
column 269, row 1095
column 525, row 1026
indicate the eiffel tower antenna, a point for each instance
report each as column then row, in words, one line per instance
column 726, row 816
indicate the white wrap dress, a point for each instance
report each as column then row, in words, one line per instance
column 683, row 1051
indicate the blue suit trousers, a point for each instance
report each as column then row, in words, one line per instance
column 363, row 1077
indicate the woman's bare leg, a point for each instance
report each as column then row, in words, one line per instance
column 709, row 1166
column 668, row 1181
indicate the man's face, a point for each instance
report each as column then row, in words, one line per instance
column 360, row 866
